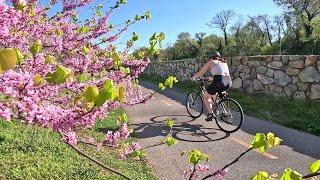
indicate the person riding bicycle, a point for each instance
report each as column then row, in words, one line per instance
column 221, row 79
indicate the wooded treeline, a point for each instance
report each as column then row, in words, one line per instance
column 295, row 32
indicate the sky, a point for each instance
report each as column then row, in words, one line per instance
column 175, row 16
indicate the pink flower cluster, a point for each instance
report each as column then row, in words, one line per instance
column 129, row 150
column 70, row 137
column 204, row 169
column 113, row 137
column 5, row 112
column 220, row 174
column 3, row 7
column 52, row 105
column 199, row 169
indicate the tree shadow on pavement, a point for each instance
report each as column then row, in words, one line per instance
column 183, row 130
column 300, row 142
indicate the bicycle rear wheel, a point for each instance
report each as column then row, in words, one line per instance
column 194, row 104
column 229, row 115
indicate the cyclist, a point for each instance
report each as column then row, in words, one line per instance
column 221, row 79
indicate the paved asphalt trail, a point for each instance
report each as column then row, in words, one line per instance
column 298, row 149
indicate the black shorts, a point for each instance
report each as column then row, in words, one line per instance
column 216, row 86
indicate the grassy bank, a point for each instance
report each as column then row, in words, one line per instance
column 300, row 115
column 28, row 152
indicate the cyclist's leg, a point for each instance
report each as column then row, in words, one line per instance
column 206, row 99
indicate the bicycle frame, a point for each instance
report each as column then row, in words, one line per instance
column 216, row 101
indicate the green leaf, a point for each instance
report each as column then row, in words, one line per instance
column 315, row 167
column 20, row 56
column 170, row 123
column 154, row 50
column 59, row 32
column 90, row 93
column 272, row 140
column 123, row 118
column 108, row 92
column 195, row 156
column 261, row 175
column 161, row 87
column 153, row 37
column 8, row 59
column 137, row 17
column 85, row 50
column 36, row 47
column 59, row 76
column 116, row 60
column 138, row 154
column 135, row 36
column 99, row 13
column 290, row 174
column 170, row 141
column 260, row 142
column 125, row 70
column 169, row 82
column 135, row 154
column 122, row 1
column 130, row 43
column 19, row 5
column 100, row 6
column 38, row 80
column 121, row 93
column 147, row 15
column 83, row 29
column 161, row 37
column 50, row 59
column 111, row 26
column 82, row 78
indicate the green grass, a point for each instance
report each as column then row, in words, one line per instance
column 300, row 115
column 28, row 152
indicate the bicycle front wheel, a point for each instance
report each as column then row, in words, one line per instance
column 229, row 115
column 194, row 104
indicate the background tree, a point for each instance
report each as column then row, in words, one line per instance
column 221, row 21
column 199, row 38
column 185, row 46
column 266, row 25
column 305, row 10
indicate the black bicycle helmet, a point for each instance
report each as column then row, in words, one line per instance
column 215, row 53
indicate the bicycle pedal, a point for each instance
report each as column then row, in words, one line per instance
column 210, row 118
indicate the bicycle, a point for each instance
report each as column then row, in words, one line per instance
column 228, row 112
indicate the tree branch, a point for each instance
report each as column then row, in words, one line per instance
column 193, row 172
column 226, row 166
column 311, row 175
column 97, row 162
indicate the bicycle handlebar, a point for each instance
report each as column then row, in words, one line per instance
column 203, row 80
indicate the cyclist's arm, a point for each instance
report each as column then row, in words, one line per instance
column 202, row 71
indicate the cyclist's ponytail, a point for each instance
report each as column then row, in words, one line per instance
column 223, row 60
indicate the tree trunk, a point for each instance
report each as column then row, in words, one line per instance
column 308, row 30
column 225, row 38
column 269, row 37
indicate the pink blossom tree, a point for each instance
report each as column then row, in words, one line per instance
column 64, row 73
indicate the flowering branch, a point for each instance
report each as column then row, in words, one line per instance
column 226, row 166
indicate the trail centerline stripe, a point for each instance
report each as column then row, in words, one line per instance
column 166, row 102
column 268, row 155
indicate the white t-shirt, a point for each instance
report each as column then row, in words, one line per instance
column 221, row 68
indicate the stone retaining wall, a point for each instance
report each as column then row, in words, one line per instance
column 287, row 76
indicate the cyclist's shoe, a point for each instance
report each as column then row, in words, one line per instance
column 210, row 117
